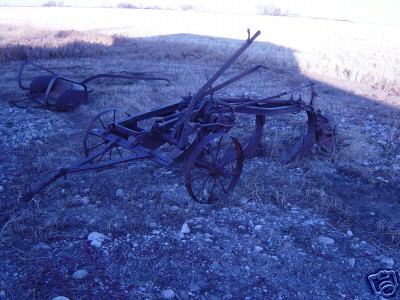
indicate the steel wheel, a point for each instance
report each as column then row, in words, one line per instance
column 94, row 143
column 213, row 167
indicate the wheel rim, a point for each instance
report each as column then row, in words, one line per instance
column 98, row 126
column 213, row 168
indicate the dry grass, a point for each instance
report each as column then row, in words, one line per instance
column 358, row 52
column 23, row 42
column 188, row 60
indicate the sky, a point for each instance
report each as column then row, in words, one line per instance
column 371, row 11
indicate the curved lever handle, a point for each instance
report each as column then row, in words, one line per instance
column 22, row 69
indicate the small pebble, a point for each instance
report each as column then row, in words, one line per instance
column 382, row 143
column 243, row 201
column 167, row 294
column 80, row 274
column 257, row 227
column 309, row 222
column 96, row 239
column 379, row 178
column 349, row 232
column 84, row 200
column 388, row 261
column 185, row 228
column 352, row 262
column 258, row 248
column 119, row 193
column 60, row 298
column 193, row 287
column 326, row 240
column 174, row 208
column 1, row 188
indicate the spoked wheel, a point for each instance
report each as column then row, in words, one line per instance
column 94, row 143
column 213, row 167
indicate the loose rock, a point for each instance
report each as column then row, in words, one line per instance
column 96, row 239
column 1, row 188
column 352, row 262
column 60, row 298
column 167, row 294
column 194, row 287
column 174, row 208
column 381, row 179
column 326, row 240
column 258, row 248
column 185, row 228
column 80, row 274
column 257, row 227
column 119, row 193
column 382, row 143
column 388, row 261
column 309, row 222
column 84, row 200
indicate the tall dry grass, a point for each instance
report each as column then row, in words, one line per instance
column 355, row 52
column 25, row 42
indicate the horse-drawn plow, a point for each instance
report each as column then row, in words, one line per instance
column 197, row 130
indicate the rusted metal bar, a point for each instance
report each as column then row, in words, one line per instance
column 200, row 93
column 233, row 80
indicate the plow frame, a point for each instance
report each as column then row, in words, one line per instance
column 196, row 129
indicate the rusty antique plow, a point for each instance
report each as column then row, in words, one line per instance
column 197, row 129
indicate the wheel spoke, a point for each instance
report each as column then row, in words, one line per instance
column 221, row 184
column 210, row 154
column 101, row 156
column 213, row 187
column 218, row 147
column 95, row 134
column 202, row 164
column 119, row 151
column 102, row 124
column 229, row 157
column 96, row 146
column 202, row 187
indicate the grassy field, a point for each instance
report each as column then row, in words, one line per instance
column 188, row 60
column 365, row 53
